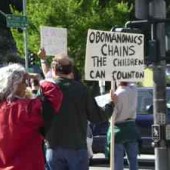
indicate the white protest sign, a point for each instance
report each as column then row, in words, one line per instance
column 102, row 100
column 114, row 55
column 53, row 40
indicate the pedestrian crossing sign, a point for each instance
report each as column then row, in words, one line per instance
column 155, row 132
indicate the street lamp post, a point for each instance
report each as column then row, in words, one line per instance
column 25, row 35
column 158, row 11
column 155, row 10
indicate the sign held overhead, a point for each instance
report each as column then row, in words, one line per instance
column 53, row 40
column 114, row 55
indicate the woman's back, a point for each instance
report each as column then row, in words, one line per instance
column 20, row 139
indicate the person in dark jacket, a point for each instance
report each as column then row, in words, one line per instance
column 67, row 147
column 8, row 49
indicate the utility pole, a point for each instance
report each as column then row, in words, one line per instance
column 25, row 34
column 158, row 11
column 155, row 12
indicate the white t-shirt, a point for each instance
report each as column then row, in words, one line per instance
column 125, row 107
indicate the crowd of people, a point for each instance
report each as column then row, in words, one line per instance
column 57, row 115
column 44, row 122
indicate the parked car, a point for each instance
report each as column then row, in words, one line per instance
column 144, row 120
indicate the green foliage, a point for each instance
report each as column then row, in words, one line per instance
column 75, row 15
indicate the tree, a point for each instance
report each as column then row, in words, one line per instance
column 77, row 16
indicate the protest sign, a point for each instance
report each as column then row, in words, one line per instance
column 53, row 40
column 114, row 55
column 102, row 100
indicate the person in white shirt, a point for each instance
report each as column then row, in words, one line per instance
column 125, row 130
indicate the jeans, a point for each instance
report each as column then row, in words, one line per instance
column 131, row 149
column 66, row 159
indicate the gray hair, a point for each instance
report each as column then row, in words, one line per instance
column 10, row 76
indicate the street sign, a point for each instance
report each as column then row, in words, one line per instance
column 156, row 132
column 16, row 21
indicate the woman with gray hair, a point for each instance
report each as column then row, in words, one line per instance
column 10, row 78
column 21, row 120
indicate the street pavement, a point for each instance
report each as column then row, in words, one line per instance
column 146, row 162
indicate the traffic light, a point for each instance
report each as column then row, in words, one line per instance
column 142, row 9
column 153, row 52
column 31, row 59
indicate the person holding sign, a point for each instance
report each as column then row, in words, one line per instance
column 47, row 69
column 125, row 130
column 66, row 139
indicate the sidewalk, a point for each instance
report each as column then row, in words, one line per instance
column 146, row 162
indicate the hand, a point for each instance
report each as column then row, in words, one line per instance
column 28, row 93
column 113, row 96
column 42, row 54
